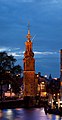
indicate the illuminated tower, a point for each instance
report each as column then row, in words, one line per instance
column 29, row 68
column 61, row 74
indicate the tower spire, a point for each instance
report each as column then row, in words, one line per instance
column 28, row 35
column 28, row 25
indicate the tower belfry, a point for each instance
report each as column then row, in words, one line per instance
column 29, row 68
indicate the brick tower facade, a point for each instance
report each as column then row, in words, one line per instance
column 29, row 68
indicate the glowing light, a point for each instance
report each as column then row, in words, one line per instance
column 61, row 105
column 43, row 94
column 8, row 94
column 42, row 82
column 18, row 108
column 55, row 78
column 60, row 101
column 46, row 76
column 56, row 102
column 58, row 94
column 7, row 71
column 50, row 102
column 17, row 75
column 37, row 75
column 53, row 94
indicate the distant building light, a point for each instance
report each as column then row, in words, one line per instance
column 45, row 76
column 7, row 71
column 9, row 86
column 60, row 101
column 61, row 105
column 43, row 94
column 55, row 78
column 18, row 75
column 58, row 94
column 37, row 75
column 43, row 82
column 50, row 102
column 56, row 102
column 8, row 94
column 53, row 94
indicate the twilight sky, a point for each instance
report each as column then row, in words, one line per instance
column 45, row 18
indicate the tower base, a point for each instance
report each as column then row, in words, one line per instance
column 29, row 101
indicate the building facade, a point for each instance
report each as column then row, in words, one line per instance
column 61, row 74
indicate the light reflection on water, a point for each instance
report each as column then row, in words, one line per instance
column 26, row 114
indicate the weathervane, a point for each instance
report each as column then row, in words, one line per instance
column 28, row 25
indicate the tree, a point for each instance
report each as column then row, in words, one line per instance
column 16, row 70
column 9, row 73
column 6, row 62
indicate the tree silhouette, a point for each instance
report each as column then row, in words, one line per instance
column 9, row 73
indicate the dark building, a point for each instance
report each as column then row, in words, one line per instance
column 61, row 74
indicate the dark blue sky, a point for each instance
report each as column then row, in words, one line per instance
column 45, row 18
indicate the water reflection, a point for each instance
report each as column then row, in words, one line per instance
column 54, row 117
column 26, row 114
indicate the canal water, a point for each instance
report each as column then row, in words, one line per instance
column 27, row 114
